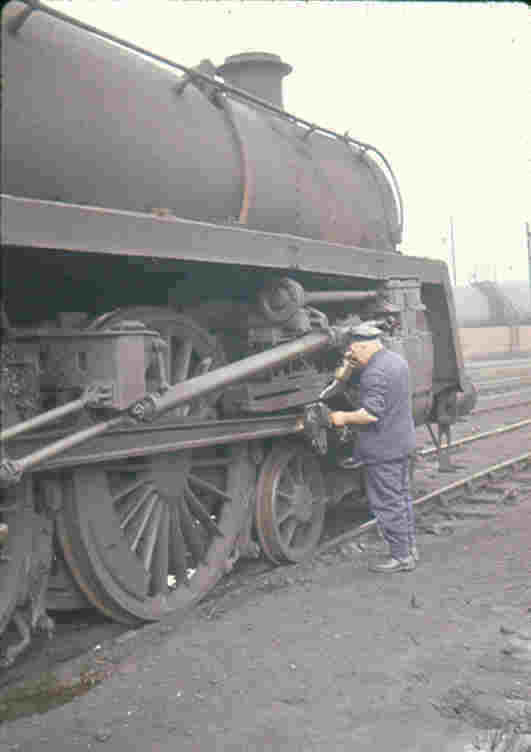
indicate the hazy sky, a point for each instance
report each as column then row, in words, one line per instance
column 442, row 89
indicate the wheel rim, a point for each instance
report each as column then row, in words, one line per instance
column 16, row 511
column 146, row 537
column 143, row 539
column 191, row 350
column 290, row 504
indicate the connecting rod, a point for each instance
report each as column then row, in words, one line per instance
column 179, row 394
column 153, row 405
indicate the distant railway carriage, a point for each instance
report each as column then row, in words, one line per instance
column 494, row 319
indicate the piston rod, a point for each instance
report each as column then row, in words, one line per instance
column 233, row 373
column 48, row 417
column 153, row 405
column 11, row 471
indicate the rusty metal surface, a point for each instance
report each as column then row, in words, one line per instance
column 314, row 187
column 176, row 153
column 179, row 393
column 62, row 47
column 233, row 373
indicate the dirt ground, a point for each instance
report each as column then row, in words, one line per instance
column 326, row 656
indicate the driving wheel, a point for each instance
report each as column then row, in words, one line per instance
column 148, row 537
column 16, row 537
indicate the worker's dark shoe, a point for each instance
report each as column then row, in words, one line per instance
column 350, row 463
column 393, row 565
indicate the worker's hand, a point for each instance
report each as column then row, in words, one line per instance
column 338, row 418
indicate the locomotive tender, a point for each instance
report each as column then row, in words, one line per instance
column 181, row 259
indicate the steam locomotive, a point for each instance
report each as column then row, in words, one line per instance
column 182, row 258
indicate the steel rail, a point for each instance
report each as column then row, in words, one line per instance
column 439, row 492
column 492, row 408
column 194, row 74
column 509, row 363
column 477, row 437
column 495, row 383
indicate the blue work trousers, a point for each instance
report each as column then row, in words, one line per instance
column 390, row 502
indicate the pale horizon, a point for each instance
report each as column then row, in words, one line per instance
column 440, row 88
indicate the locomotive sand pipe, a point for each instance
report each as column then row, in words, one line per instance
column 153, row 405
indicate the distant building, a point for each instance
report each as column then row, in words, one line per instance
column 493, row 304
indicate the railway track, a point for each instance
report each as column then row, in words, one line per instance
column 487, row 408
column 511, row 383
column 501, row 393
column 484, row 481
column 493, row 486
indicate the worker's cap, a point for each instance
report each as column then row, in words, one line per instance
column 364, row 333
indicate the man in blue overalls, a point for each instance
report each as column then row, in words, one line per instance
column 386, row 438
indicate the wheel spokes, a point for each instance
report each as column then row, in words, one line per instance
column 286, row 512
column 288, row 475
column 288, row 530
column 298, row 471
column 206, row 486
column 132, row 531
column 138, row 527
column 192, row 534
column 299, row 534
column 128, row 489
column 170, row 533
column 160, row 566
column 177, row 546
column 200, row 512
column 290, row 503
column 134, row 504
column 181, row 360
column 152, row 534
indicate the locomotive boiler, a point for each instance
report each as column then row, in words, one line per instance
column 182, row 259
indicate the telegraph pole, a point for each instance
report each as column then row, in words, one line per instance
column 528, row 235
column 452, row 250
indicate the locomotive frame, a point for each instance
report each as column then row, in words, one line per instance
column 140, row 515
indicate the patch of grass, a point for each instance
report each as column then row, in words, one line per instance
column 45, row 693
column 506, row 739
